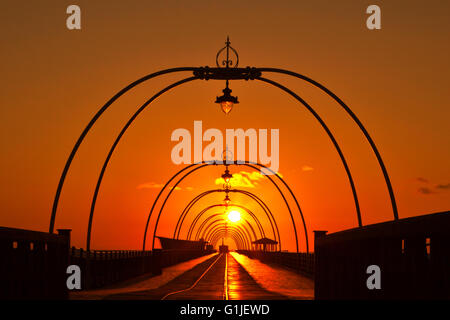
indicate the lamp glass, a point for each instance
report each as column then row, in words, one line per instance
column 226, row 106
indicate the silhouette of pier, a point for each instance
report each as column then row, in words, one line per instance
column 412, row 253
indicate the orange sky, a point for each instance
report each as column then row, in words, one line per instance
column 54, row 80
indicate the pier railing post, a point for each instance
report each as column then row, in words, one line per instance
column 319, row 264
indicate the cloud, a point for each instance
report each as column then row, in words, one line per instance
column 307, row 168
column 443, row 186
column 425, row 190
column 244, row 179
column 154, row 185
column 432, row 190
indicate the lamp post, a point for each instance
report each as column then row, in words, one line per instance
column 227, row 101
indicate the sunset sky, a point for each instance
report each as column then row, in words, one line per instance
column 54, row 80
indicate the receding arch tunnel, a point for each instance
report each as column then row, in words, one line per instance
column 206, row 73
column 201, row 229
column 220, row 231
column 218, row 223
column 256, row 166
column 259, row 201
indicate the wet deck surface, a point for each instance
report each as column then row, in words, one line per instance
column 219, row 277
column 215, row 277
column 241, row 286
column 140, row 283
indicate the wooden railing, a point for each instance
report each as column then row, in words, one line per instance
column 104, row 267
column 413, row 255
column 33, row 264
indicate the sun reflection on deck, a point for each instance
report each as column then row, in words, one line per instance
column 277, row 279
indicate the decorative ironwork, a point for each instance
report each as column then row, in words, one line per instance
column 227, row 62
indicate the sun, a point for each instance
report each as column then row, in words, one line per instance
column 234, row 216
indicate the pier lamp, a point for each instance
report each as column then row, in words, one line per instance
column 227, row 200
column 227, row 175
column 227, row 101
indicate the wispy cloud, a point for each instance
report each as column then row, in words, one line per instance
column 425, row 190
column 244, row 179
column 443, row 186
column 307, row 168
column 431, row 189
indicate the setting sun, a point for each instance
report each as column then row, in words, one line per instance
column 234, row 216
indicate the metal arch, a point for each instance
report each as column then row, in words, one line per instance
column 253, row 196
column 215, row 215
column 221, row 234
column 248, row 211
column 193, row 201
column 216, row 222
column 245, row 163
column 245, row 240
column 113, row 147
column 200, row 228
column 195, row 220
column 355, row 119
column 221, row 226
column 232, row 237
column 250, row 164
column 165, row 201
column 250, row 73
column 237, row 240
column 197, row 234
column 89, row 126
column 261, row 203
column 157, row 198
column 289, row 209
column 332, row 138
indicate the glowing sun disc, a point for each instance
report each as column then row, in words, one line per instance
column 234, row 216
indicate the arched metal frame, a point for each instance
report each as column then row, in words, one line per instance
column 191, row 203
column 200, row 227
column 222, row 233
column 246, row 242
column 207, row 73
column 89, row 126
column 248, row 211
column 258, row 200
column 240, row 162
column 219, row 223
column 218, row 216
column 230, row 237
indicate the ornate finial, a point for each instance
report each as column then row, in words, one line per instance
column 227, row 62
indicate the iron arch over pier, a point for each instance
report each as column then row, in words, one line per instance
column 244, row 163
column 262, row 204
column 207, row 73
column 218, row 216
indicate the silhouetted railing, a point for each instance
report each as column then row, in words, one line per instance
column 33, row 264
column 413, row 255
column 104, row 267
column 299, row 262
